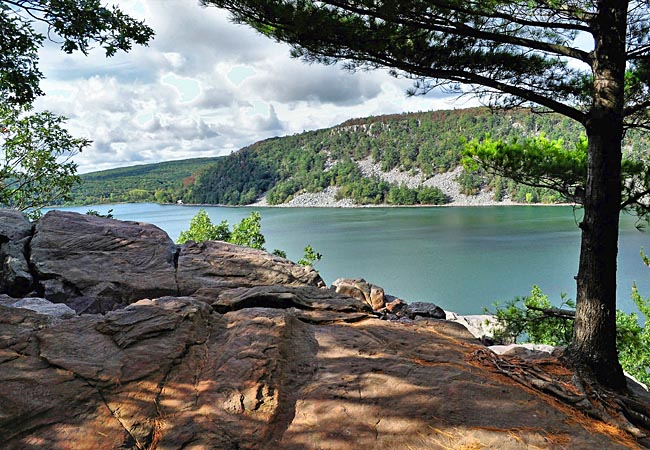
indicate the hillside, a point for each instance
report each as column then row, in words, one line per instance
column 161, row 182
column 394, row 159
column 400, row 159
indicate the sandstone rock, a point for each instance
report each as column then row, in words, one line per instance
column 220, row 264
column 282, row 297
column 96, row 264
column 422, row 309
column 362, row 290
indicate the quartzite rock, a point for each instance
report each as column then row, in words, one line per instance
column 41, row 306
column 422, row 309
column 220, row 264
column 174, row 374
column 15, row 234
column 360, row 289
column 301, row 297
column 95, row 264
column 14, row 226
column 245, row 362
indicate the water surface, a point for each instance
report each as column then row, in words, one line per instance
column 459, row 258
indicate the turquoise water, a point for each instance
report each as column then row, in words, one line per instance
column 459, row 258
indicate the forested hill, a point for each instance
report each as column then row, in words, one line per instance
column 394, row 159
column 161, row 182
column 417, row 144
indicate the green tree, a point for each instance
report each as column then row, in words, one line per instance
column 508, row 53
column 249, row 232
column 36, row 166
column 202, row 229
column 75, row 24
column 35, row 160
column 533, row 319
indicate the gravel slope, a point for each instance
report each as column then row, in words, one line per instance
column 444, row 181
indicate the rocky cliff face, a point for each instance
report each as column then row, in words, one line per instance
column 111, row 337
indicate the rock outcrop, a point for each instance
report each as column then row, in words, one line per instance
column 95, row 264
column 219, row 264
column 15, row 234
column 275, row 362
column 360, row 289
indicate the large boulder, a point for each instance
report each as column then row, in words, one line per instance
column 14, row 225
column 220, row 264
column 15, row 234
column 96, row 264
column 360, row 289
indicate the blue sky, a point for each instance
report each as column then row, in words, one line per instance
column 204, row 87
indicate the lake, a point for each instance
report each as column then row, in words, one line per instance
column 459, row 258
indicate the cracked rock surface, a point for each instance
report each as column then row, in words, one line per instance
column 261, row 365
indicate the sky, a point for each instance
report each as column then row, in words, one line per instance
column 205, row 87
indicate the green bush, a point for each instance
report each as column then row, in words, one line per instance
column 202, row 229
column 249, row 232
column 527, row 320
column 523, row 319
column 310, row 257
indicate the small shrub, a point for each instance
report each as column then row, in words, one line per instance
column 310, row 257
column 526, row 320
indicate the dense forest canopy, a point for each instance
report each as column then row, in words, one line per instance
column 160, row 182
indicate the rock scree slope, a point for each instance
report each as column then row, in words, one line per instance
column 214, row 346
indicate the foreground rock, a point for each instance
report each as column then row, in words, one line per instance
column 219, row 264
column 95, row 264
column 173, row 373
column 270, row 362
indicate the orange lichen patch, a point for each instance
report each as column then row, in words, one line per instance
column 614, row 432
column 558, row 383
column 427, row 363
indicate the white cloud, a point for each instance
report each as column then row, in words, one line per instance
column 203, row 87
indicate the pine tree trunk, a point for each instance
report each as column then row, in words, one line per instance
column 594, row 344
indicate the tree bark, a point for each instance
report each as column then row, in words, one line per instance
column 594, row 343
